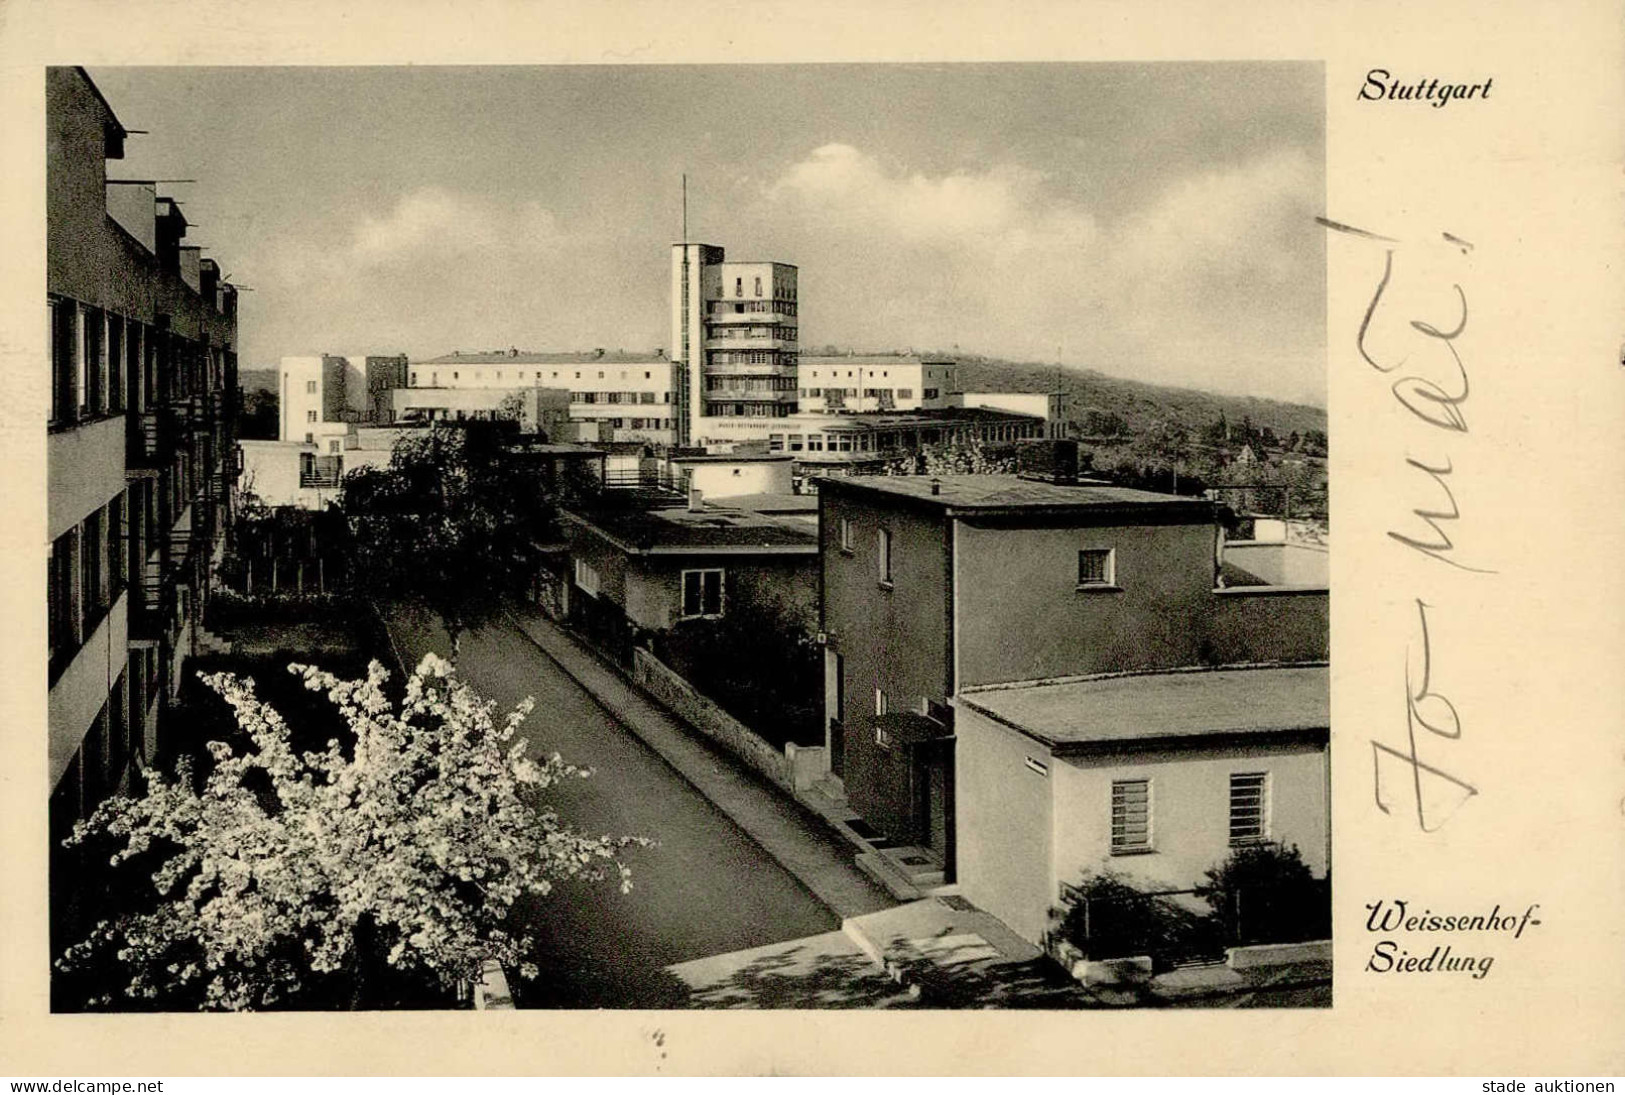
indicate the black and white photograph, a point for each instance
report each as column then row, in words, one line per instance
column 716, row 537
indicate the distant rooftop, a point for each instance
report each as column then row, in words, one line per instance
column 733, row 458
column 925, row 417
column 1081, row 715
column 899, row 358
column 528, row 357
column 768, row 503
column 1009, row 492
column 677, row 530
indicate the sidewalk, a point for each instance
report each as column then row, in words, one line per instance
column 781, row 826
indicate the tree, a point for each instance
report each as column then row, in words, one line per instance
column 970, row 457
column 281, row 872
column 450, row 525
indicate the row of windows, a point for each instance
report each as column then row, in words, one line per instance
column 1133, row 817
column 89, row 570
column 103, row 363
column 751, row 307
column 787, row 334
column 868, row 393
column 519, row 375
column 753, row 357
column 748, row 410
column 750, row 383
column 785, row 292
column 620, row 397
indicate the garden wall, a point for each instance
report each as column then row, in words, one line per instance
column 672, row 690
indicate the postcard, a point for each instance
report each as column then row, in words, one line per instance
column 798, row 540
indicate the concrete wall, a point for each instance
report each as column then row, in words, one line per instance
column 271, row 473
column 84, row 470
column 657, row 679
column 1004, row 822
column 82, row 689
column 726, row 480
column 818, row 373
column 1257, row 624
column 893, row 639
column 1021, row 616
column 784, row 583
column 1280, row 563
column 1190, row 809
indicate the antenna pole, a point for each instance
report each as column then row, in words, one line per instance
column 685, row 209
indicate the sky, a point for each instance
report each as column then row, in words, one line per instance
column 1152, row 221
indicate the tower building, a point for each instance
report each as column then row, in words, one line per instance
column 734, row 339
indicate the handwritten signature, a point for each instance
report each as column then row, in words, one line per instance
column 1439, row 403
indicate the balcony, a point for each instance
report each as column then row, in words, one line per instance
column 755, row 368
column 742, row 342
column 746, row 395
column 749, row 318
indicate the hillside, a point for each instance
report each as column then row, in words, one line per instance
column 257, row 380
column 1139, row 406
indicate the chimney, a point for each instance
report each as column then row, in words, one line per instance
column 936, row 486
column 696, row 500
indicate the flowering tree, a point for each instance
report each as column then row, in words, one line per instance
column 286, row 869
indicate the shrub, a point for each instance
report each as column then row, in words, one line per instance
column 1266, row 893
column 1107, row 916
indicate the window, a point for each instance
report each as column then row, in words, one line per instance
column 702, row 593
column 905, row 393
column 1095, row 568
column 1249, row 807
column 310, row 439
column 334, row 446
column 310, row 416
column 64, row 361
column 1131, row 816
column 758, row 287
column 883, row 556
column 881, row 706
column 586, row 577
column 739, row 287
column 930, row 393
column 310, row 387
column 846, row 534
column 63, row 616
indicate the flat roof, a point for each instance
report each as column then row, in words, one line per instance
column 674, row 529
column 970, row 493
column 875, row 359
column 525, row 357
column 732, row 458
column 1085, row 714
column 768, row 503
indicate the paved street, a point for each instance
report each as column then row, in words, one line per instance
column 706, row 889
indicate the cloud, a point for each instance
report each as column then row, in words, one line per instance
column 1214, row 279
column 436, row 221
column 437, row 268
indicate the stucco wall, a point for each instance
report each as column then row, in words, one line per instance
column 1190, row 809
column 726, row 480
column 1004, row 823
column 1248, row 625
column 895, row 640
column 1021, row 616
column 84, row 470
column 81, row 690
column 1282, row 564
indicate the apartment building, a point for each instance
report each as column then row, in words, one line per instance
column 936, row 586
column 612, row 396
column 143, row 359
column 735, row 339
column 876, row 382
